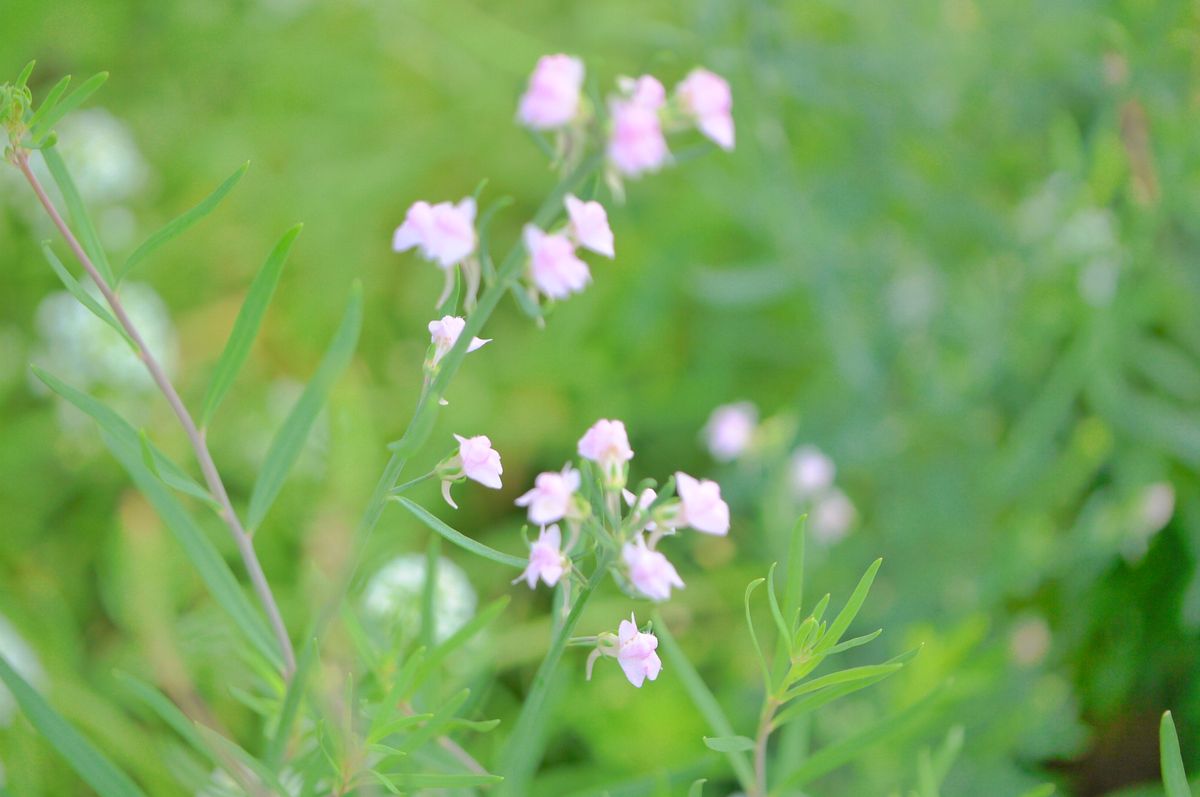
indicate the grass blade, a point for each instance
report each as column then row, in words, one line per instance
column 48, row 104
column 289, row 440
column 81, row 222
column 90, row 764
column 291, row 705
column 457, row 537
column 850, row 610
column 245, row 328
column 181, row 223
column 70, row 103
column 1175, row 782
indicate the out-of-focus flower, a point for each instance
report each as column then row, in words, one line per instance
column 392, row 600
column 22, row 658
column 730, row 429
column 649, row 571
column 445, row 232
column 589, row 225
column 550, row 498
column 103, row 156
column 636, row 143
column 832, row 516
column 552, row 97
column 641, row 502
column 445, row 333
column 546, row 559
column 636, row 653
column 702, row 507
column 1029, row 641
column 1156, row 507
column 553, row 265
column 480, row 462
column 812, row 471
column 706, row 98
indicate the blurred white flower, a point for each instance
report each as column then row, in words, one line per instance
column 730, row 429
column 831, row 517
column 393, row 596
column 812, row 471
column 1152, row 510
column 103, row 158
column 22, row 658
column 1029, row 641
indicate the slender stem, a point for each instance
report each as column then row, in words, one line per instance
column 241, row 539
column 413, row 482
column 770, row 706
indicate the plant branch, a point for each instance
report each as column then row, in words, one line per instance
column 241, row 539
column 770, row 706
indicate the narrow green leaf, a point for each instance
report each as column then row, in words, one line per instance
column 762, row 659
column 233, row 751
column 853, row 643
column 81, row 294
column 84, row 229
column 438, row 723
column 26, row 71
column 70, row 103
column 457, row 537
column 396, row 725
column 48, row 104
column 434, row 658
column 785, row 636
column 289, row 440
column 1175, row 781
column 816, row 700
column 291, row 705
column 729, row 744
column 478, row 726
column 429, row 592
column 245, row 328
column 703, row 699
column 180, row 224
column 404, row 782
column 88, row 762
column 1044, row 790
column 169, row 713
column 850, row 675
column 697, row 788
column 123, row 441
column 850, row 610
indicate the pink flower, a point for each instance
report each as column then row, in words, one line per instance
column 635, row 653
column 636, row 143
column 546, row 559
column 651, row 573
column 640, row 503
column 706, row 98
column 480, row 461
column 550, row 498
column 812, row 471
column 445, row 333
column 556, row 270
column 445, row 232
column 589, row 225
column 552, row 98
column 832, row 516
column 730, row 429
column 702, row 507
column 606, row 443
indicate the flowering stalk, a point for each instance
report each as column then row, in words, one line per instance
column 195, row 437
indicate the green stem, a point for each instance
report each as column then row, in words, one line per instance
column 520, row 756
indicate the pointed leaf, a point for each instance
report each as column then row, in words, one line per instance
column 291, row 705
column 289, row 440
column 1175, row 781
column 81, row 294
column 729, row 744
column 52, row 98
column 70, row 103
column 88, row 762
column 850, row 675
column 785, row 636
column 850, row 610
column 81, row 222
column 457, row 537
column 181, row 223
column 697, row 788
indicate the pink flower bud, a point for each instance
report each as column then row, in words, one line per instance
column 552, row 97
column 480, row 461
column 702, row 507
column 635, row 653
column 546, row 559
column 589, row 225
column 606, row 443
column 550, row 498
column 812, row 471
column 445, row 232
column 445, row 333
column 730, row 429
column 649, row 571
column 556, row 270
column 706, row 98
column 636, row 143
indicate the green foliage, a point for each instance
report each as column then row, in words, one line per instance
column 1174, row 778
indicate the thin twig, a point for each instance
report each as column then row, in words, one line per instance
column 244, row 544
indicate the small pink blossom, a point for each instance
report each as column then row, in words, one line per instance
column 649, row 571
column 730, row 429
column 606, row 443
column 552, row 97
column 636, row 144
column 635, row 653
column 832, row 516
column 706, row 98
column 445, row 232
column 480, row 461
column 546, row 559
column 556, row 270
column 812, row 471
column 445, row 333
column 550, row 498
column 702, row 507
column 589, row 225
column 640, row 503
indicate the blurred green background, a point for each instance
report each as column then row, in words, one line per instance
column 957, row 249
